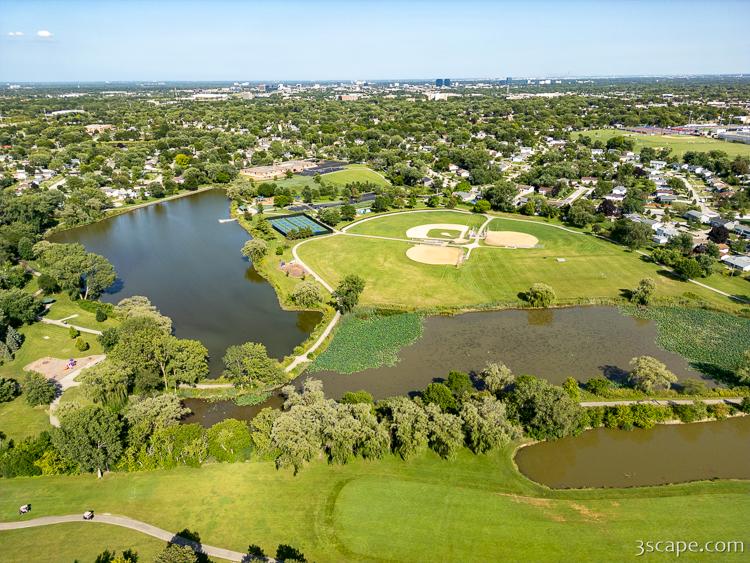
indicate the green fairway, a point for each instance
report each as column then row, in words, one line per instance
column 75, row 542
column 581, row 268
column 474, row 508
column 678, row 143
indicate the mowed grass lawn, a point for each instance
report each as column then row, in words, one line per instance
column 678, row 143
column 352, row 173
column 473, row 508
column 592, row 268
column 75, row 542
column 396, row 224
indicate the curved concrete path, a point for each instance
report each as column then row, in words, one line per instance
column 125, row 522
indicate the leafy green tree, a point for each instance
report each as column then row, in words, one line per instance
column 459, row 383
column 255, row 249
column 9, row 389
column 648, row 374
column 355, row 397
column 306, row 294
column 158, row 411
column 18, row 306
column 177, row 554
column 348, row 212
column 540, row 295
column 228, row 440
column 181, row 360
column 140, row 306
column 38, row 389
column 346, row 294
column 496, row 377
column 445, row 433
column 48, row 284
column 286, row 552
column 570, row 386
column 743, row 370
column 545, row 411
column 261, row 427
column 107, row 383
column 440, row 395
column 642, row 294
column 330, row 216
column 89, row 436
column 248, row 365
column 408, row 425
column 486, row 424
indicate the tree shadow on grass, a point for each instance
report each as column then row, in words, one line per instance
column 192, row 540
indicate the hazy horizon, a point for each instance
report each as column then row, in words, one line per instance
column 189, row 41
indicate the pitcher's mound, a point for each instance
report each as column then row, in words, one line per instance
column 511, row 239
column 439, row 255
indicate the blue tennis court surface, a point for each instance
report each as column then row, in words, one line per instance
column 289, row 223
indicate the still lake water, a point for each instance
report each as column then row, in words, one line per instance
column 582, row 342
column 189, row 265
column 672, row 453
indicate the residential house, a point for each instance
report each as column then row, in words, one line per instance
column 736, row 262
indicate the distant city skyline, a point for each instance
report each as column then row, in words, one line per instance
column 224, row 40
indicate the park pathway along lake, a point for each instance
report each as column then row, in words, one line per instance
column 189, row 265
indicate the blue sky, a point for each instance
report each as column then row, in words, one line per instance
column 337, row 39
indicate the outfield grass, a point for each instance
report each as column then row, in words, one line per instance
column 352, row 173
column 76, row 542
column 474, row 508
column 678, row 143
column 593, row 269
column 396, row 224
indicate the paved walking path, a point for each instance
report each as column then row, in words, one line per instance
column 125, row 522
column 662, row 402
column 64, row 324
column 66, row 383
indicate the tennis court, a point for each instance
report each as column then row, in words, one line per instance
column 288, row 223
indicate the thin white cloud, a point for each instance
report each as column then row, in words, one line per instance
column 44, row 33
column 15, row 33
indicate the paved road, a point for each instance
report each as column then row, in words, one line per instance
column 125, row 522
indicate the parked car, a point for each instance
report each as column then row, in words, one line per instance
column 24, row 509
column 88, row 515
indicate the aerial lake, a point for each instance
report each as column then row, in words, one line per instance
column 582, row 342
column 672, row 453
column 189, row 265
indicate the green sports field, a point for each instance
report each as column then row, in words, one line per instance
column 473, row 508
column 678, row 143
column 352, row 173
column 580, row 267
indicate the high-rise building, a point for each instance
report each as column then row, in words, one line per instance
column 446, row 82
column 439, row 82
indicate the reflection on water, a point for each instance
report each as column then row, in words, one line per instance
column 178, row 255
column 582, row 342
column 208, row 413
column 664, row 454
